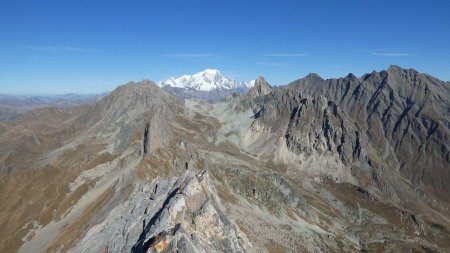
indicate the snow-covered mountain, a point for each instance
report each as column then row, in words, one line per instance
column 206, row 80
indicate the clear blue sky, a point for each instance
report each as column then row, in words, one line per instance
column 50, row 47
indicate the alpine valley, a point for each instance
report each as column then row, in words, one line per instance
column 203, row 163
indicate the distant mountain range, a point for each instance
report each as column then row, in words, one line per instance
column 12, row 106
column 68, row 99
column 209, row 84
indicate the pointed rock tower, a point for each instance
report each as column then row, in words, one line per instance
column 261, row 88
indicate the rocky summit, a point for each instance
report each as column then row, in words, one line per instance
column 353, row 164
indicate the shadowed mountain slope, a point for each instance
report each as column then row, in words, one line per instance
column 405, row 116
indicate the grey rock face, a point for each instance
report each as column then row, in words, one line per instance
column 311, row 124
column 181, row 214
column 260, row 88
column 320, row 125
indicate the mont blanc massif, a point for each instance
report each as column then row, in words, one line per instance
column 202, row 163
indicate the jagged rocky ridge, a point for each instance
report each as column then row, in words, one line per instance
column 390, row 130
column 298, row 168
column 404, row 116
column 177, row 215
